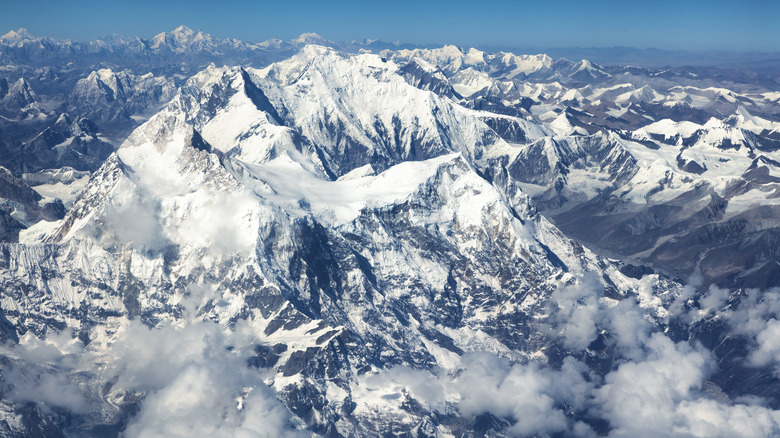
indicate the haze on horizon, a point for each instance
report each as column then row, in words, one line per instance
column 673, row 25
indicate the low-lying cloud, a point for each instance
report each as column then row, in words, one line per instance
column 657, row 387
column 191, row 376
column 196, row 382
column 192, row 379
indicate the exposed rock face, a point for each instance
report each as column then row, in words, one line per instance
column 111, row 98
column 75, row 144
column 21, row 206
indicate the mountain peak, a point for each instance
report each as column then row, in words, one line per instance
column 22, row 87
column 102, row 74
column 742, row 111
column 744, row 120
column 63, row 120
column 309, row 38
column 164, row 130
column 180, row 39
column 452, row 50
column 183, row 30
column 16, row 36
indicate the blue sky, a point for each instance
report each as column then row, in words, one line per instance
column 744, row 25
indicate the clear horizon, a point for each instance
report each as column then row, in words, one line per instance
column 693, row 25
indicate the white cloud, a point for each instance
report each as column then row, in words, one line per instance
column 660, row 396
column 708, row 418
column 577, row 312
column 528, row 394
column 756, row 317
column 45, row 385
column 193, row 379
column 490, row 384
column 753, row 311
column 640, row 398
column 714, row 299
column 656, row 390
column 629, row 327
column 768, row 339
column 38, row 371
column 134, row 219
column 196, row 382
column 424, row 386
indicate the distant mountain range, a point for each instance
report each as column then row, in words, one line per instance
column 184, row 39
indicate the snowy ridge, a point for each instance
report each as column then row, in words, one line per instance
column 324, row 104
column 113, row 96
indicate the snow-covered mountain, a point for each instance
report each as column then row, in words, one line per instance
column 19, row 101
column 67, row 142
column 364, row 244
column 114, row 98
column 21, row 206
column 401, row 261
column 676, row 195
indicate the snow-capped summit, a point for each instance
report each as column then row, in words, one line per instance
column 344, row 111
column 310, row 38
column 427, row 76
column 644, row 94
column 104, row 82
column 744, row 120
column 183, row 32
column 516, row 65
column 670, row 129
column 106, row 95
column 16, row 36
column 183, row 39
column 20, row 93
column 562, row 125
column 452, row 59
column 357, row 110
column 583, row 71
column 21, row 102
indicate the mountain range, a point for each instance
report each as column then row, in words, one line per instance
column 202, row 236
